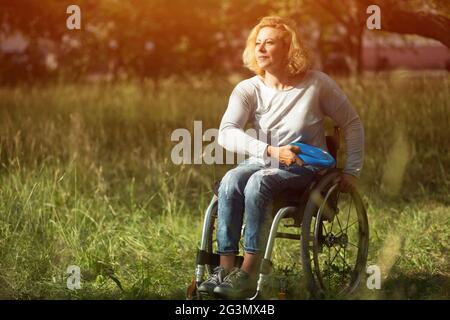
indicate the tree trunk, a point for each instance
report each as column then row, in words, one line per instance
column 424, row 24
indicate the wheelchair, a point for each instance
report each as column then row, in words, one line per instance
column 333, row 235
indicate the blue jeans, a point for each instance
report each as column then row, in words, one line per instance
column 250, row 188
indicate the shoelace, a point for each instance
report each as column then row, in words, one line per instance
column 218, row 273
column 234, row 274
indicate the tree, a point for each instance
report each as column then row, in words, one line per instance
column 159, row 37
column 429, row 19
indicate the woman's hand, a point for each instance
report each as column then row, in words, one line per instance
column 348, row 182
column 285, row 154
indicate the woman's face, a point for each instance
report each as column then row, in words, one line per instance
column 270, row 50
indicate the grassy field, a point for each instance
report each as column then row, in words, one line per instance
column 86, row 179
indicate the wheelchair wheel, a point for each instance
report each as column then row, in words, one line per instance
column 335, row 237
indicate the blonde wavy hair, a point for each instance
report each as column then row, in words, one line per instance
column 298, row 56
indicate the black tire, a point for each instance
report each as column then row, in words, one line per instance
column 334, row 257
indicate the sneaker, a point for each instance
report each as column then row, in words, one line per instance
column 237, row 285
column 213, row 281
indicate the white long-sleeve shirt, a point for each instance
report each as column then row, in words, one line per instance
column 293, row 115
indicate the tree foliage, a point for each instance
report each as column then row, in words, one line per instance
column 153, row 38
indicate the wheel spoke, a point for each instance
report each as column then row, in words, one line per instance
column 352, row 244
column 348, row 215
column 332, row 223
column 343, row 260
column 324, row 226
column 339, row 223
column 346, row 228
column 337, row 252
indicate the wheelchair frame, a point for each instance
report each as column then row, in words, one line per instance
column 314, row 207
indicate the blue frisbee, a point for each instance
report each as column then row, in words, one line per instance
column 314, row 156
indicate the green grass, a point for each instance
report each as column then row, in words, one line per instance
column 86, row 179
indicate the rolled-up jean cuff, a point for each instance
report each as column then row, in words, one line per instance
column 252, row 251
column 228, row 253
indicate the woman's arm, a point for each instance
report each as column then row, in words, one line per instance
column 231, row 131
column 348, row 120
column 336, row 105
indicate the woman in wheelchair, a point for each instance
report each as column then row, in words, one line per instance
column 286, row 101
